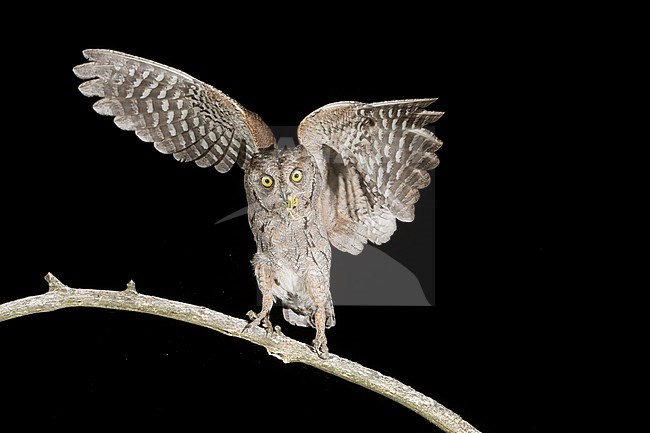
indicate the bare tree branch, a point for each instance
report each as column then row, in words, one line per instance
column 288, row 350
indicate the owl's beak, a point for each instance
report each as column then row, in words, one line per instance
column 290, row 203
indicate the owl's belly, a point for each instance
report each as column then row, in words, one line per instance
column 300, row 254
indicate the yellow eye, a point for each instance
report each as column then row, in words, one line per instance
column 267, row 181
column 296, row 175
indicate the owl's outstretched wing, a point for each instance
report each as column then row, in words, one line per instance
column 375, row 158
column 178, row 113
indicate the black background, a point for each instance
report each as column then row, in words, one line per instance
column 97, row 207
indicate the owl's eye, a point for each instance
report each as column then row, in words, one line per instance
column 296, row 175
column 267, row 181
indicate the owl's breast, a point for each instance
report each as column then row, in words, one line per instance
column 299, row 243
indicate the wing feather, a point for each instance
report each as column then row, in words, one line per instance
column 178, row 113
column 376, row 158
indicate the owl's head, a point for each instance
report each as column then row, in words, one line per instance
column 286, row 181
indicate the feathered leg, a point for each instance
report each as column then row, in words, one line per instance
column 320, row 341
column 318, row 287
column 265, row 281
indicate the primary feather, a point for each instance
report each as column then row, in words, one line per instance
column 178, row 113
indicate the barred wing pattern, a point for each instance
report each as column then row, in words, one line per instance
column 178, row 113
column 375, row 158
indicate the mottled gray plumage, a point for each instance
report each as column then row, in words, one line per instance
column 357, row 170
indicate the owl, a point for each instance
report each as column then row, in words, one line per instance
column 356, row 170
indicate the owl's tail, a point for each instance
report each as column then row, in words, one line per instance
column 299, row 318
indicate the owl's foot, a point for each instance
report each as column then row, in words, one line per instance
column 319, row 345
column 257, row 319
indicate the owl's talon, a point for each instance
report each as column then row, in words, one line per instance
column 319, row 345
column 257, row 320
column 271, row 331
column 252, row 316
column 266, row 324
